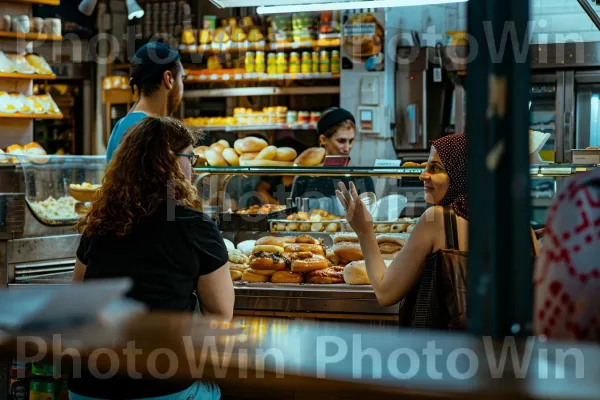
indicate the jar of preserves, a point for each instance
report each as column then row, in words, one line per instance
column 271, row 64
column 292, row 117
column 306, row 67
column 314, row 117
column 249, row 62
column 324, row 66
column 260, row 64
column 282, row 65
column 315, row 62
column 335, row 62
column 294, row 66
column 41, row 390
column 303, row 117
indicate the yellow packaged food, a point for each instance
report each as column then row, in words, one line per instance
column 187, row 37
column 282, row 65
column 21, row 64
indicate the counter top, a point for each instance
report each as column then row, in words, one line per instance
column 326, row 357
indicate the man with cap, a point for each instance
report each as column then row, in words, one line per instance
column 157, row 73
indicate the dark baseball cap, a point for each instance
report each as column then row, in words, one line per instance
column 151, row 61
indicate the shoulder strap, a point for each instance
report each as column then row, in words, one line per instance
column 450, row 229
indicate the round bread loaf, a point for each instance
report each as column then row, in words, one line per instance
column 237, row 257
column 355, row 273
column 311, row 157
column 231, row 157
column 268, row 153
column 249, row 144
column 286, row 154
column 215, row 159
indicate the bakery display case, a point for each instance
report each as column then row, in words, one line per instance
column 38, row 242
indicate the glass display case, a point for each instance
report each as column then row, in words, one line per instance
column 58, row 189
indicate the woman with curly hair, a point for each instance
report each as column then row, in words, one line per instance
column 146, row 223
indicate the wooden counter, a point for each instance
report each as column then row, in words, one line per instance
column 268, row 358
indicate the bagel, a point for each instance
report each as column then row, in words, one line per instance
column 250, row 276
column 287, row 276
column 267, row 248
column 348, row 251
column 271, row 240
column 313, row 263
column 304, row 247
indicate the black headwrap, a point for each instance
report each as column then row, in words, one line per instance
column 332, row 117
column 155, row 58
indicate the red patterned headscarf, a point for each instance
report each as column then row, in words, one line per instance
column 452, row 150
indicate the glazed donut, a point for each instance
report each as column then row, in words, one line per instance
column 286, row 154
column 313, row 263
column 287, row 276
column 265, row 261
column 248, row 156
column 310, row 157
column 307, row 239
column 345, row 238
column 215, row 159
column 304, row 247
column 268, row 153
column 250, row 276
column 271, row 240
column 235, row 275
column 267, row 248
column 249, row 145
column 237, row 267
column 231, row 157
column 264, row 272
column 348, row 251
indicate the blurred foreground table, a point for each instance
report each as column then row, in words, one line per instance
column 257, row 358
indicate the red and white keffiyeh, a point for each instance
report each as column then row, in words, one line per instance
column 567, row 272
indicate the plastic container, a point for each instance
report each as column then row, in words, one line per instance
column 324, row 62
column 294, row 66
column 315, row 62
column 335, row 62
column 260, row 64
column 282, row 65
column 271, row 64
column 306, row 63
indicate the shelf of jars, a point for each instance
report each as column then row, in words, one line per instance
column 243, row 77
column 260, row 91
column 247, row 128
column 243, row 47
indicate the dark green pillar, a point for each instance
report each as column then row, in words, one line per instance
column 498, row 85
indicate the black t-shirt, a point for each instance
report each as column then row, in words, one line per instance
column 164, row 255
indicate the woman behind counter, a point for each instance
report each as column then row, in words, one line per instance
column 337, row 131
column 146, row 223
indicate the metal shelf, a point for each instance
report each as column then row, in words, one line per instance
column 256, row 77
column 536, row 171
column 29, row 36
column 19, row 76
column 260, row 91
column 46, row 2
column 237, row 128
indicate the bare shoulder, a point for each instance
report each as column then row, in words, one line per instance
column 433, row 217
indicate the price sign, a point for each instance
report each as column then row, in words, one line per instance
column 387, row 163
column 556, row 170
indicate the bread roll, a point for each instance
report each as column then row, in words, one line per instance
column 313, row 263
column 249, row 145
column 289, row 239
column 332, row 228
column 215, row 159
column 224, row 143
column 348, row 251
column 286, row 154
column 304, row 247
column 246, row 246
column 345, row 237
column 287, row 277
column 267, row 248
column 229, row 244
column 218, row 147
column 249, row 276
column 231, row 157
column 355, row 273
column 389, row 244
column 248, row 156
column 265, row 163
column 307, row 239
column 268, row 153
column 237, row 257
column 311, row 157
column 235, row 275
column 271, row 240
column 333, row 259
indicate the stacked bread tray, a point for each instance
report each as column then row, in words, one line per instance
column 251, row 221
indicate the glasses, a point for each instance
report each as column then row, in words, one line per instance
column 193, row 157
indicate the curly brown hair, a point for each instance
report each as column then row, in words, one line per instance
column 143, row 174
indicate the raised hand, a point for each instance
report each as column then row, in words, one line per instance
column 358, row 216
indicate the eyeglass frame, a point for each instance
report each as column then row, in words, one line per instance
column 191, row 156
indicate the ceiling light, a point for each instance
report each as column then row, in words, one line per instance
column 134, row 10
column 87, row 7
column 348, row 5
